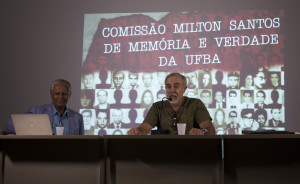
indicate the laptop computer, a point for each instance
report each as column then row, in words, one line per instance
column 32, row 124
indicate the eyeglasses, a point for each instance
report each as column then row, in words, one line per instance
column 174, row 121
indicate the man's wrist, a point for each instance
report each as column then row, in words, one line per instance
column 140, row 131
column 204, row 130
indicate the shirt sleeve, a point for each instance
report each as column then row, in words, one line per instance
column 202, row 113
column 152, row 117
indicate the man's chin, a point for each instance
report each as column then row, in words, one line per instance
column 174, row 101
column 60, row 105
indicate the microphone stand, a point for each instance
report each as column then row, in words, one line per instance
column 159, row 129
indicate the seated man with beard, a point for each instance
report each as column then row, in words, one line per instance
column 178, row 109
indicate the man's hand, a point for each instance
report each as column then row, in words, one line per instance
column 144, row 129
column 196, row 131
column 133, row 131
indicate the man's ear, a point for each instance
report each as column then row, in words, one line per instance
column 184, row 89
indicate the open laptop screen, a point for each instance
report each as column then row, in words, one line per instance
column 32, row 124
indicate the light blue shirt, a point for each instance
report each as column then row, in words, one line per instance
column 59, row 121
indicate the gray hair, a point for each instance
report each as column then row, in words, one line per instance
column 61, row 81
column 176, row 75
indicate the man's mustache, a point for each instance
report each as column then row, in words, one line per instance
column 173, row 95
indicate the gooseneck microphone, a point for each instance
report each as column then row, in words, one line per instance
column 159, row 129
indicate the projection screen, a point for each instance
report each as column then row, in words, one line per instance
column 234, row 61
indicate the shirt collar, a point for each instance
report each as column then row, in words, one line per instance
column 54, row 111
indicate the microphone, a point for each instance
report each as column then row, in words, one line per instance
column 170, row 99
column 159, row 129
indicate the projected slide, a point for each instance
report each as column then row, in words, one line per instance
column 233, row 62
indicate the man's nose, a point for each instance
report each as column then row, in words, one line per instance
column 61, row 95
column 172, row 89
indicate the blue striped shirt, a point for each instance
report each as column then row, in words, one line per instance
column 59, row 121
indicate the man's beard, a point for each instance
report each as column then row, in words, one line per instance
column 174, row 100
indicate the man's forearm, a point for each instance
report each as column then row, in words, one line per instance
column 144, row 129
column 207, row 124
column 211, row 130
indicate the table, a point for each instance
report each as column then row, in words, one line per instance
column 209, row 159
